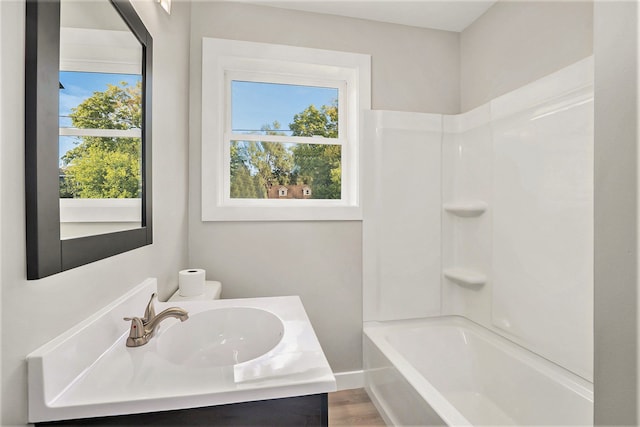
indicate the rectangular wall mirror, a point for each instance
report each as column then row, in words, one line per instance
column 87, row 133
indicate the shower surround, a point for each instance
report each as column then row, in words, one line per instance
column 488, row 215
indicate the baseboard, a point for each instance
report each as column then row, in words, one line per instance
column 350, row 379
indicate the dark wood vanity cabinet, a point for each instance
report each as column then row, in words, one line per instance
column 299, row 411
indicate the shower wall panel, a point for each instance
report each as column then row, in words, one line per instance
column 466, row 242
column 543, row 217
column 402, row 215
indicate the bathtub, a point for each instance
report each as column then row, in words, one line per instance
column 451, row 371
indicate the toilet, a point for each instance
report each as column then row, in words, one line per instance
column 212, row 290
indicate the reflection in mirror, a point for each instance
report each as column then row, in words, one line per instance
column 100, row 115
column 88, row 79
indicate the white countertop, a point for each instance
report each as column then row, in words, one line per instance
column 123, row 380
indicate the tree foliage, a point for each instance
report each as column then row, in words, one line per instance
column 101, row 167
column 256, row 166
column 243, row 185
column 314, row 122
column 319, row 164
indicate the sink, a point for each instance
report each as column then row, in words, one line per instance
column 228, row 351
column 220, row 337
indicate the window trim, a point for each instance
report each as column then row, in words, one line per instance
column 222, row 61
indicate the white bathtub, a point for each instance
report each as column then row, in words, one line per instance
column 451, row 371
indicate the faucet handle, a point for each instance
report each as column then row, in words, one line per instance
column 136, row 332
column 150, row 311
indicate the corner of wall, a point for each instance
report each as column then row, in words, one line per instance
column 516, row 42
column 616, row 213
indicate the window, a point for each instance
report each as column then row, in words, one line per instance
column 100, row 145
column 284, row 134
column 280, row 136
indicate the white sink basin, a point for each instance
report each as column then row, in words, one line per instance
column 219, row 337
column 228, row 351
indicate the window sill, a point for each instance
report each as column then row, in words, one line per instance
column 310, row 213
column 100, row 210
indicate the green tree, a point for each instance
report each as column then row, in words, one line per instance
column 102, row 167
column 318, row 165
column 314, row 122
column 243, row 184
column 258, row 165
column 272, row 161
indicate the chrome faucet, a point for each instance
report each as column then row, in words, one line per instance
column 143, row 329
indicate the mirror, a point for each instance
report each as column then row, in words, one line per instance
column 87, row 133
column 99, row 121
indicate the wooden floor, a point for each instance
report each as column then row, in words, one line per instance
column 352, row 408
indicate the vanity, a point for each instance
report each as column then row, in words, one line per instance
column 253, row 361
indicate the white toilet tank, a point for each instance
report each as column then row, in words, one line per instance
column 212, row 290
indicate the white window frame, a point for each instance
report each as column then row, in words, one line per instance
column 227, row 60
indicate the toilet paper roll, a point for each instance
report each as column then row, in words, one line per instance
column 191, row 282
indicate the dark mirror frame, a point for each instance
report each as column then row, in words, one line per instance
column 47, row 254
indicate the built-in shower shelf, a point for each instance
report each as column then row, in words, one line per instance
column 466, row 209
column 465, row 276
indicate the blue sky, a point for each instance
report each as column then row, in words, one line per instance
column 256, row 104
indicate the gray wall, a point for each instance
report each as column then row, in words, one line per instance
column 517, row 42
column 34, row 312
column 412, row 70
column 616, row 213
column 2, row 123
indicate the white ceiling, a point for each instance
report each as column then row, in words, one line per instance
column 449, row 15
